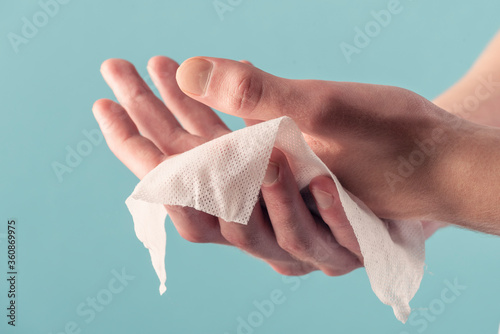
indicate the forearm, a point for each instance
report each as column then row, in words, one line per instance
column 474, row 84
column 467, row 181
column 476, row 96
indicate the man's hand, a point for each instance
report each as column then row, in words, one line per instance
column 403, row 156
column 142, row 131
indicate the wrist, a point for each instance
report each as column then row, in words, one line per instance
column 467, row 178
column 475, row 97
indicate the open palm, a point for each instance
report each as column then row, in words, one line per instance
column 142, row 131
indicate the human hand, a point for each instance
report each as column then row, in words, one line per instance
column 142, row 131
column 389, row 146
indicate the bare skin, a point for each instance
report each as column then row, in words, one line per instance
column 285, row 235
column 378, row 123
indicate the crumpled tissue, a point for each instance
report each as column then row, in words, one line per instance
column 223, row 178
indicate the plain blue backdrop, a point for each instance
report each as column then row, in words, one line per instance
column 75, row 236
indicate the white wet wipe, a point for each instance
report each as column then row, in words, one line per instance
column 223, row 178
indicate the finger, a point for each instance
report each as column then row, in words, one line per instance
column 245, row 91
column 296, row 230
column 199, row 227
column 256, row 238
column 194, row 116
column 250, row 122
column 149, row 114
column 195, row 226
column 327, row 200
column 139, row 154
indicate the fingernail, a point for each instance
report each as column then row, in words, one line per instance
column 193, row 75
column 324, row 199
column 272, row 173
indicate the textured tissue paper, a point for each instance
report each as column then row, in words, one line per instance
column 223, row 178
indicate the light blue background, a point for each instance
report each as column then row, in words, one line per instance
column 72, row 234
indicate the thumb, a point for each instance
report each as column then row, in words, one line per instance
column 242, row 90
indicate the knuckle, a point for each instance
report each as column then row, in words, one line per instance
column 288, row 271
column 240, row 239
column 281, row 201
column 414, row 101
column 248, row 92
column 195, row 237
column 298, row 269
column 183, row 219
column 179, row 211
column 334, row 272
column 138, row 94
column 342, row 268
column 283, row 204
column 324, row 252
column 300, row 247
